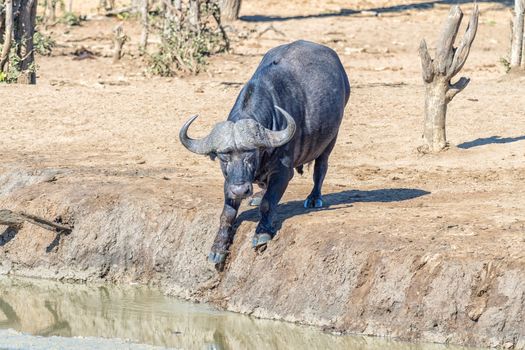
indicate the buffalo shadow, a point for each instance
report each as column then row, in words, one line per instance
column 489, row 140
column 55, row 243
column 8, row 235
column 11, row 231
column 388, row 9
column 332, row 201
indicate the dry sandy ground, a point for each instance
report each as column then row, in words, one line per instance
column 105, row 132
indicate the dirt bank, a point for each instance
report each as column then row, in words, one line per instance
column 375, row 262
column 422, row 248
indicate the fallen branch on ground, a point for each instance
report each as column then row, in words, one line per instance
column 13, row 219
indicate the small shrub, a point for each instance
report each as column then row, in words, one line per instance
column 185, row 49
column 70, row 19
column 43, row 44
column 506, row 64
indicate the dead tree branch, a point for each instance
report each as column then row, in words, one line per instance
column 426, row 62
column 456, row 88
column 14, row 219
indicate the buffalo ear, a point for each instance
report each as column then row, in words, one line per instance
column 212, row 155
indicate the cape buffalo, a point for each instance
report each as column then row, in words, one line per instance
column 288, row 114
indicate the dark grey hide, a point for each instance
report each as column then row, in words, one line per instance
column 287, row 115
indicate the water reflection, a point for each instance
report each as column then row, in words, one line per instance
column 146, row 316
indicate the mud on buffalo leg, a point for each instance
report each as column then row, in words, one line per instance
column 314, row 200
column 276, row 187
column 223, row 240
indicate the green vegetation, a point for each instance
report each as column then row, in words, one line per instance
column 71, row 19
column 505, row 63
column 13, row 71
column 185, row 48
column 43, row 44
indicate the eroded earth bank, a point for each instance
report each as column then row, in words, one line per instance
column 424, row 248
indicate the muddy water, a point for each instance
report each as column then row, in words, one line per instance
column 114, row 317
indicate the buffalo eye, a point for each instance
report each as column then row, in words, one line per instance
column 250, row 156
column 224, row 157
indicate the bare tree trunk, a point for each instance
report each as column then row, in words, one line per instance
column 24, row 37
column 178, row 11
column 523, row 55
column 144, row 14
column 169, row 17
column 172, row 16
column 195, row 14
column 51, row 11
column 4, row 56
column 437, row 74
column 230, row 9
column 516, row 51
column 70, row 6
column 2, row 22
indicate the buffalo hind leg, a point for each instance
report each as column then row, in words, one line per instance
column 276, row 187
column 223, row 240
column 315, row 200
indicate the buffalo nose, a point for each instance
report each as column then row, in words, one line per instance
column 242, row 190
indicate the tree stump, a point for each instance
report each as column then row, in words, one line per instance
column 119, row 39
column 437, row 75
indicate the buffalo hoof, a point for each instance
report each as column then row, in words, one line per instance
column 260, row 240
column 255, row 201
column 217, row 258
column 313, row 203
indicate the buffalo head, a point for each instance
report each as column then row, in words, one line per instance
column 238, row 146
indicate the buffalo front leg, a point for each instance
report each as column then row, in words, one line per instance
column 224, row 238
column 277, row 184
